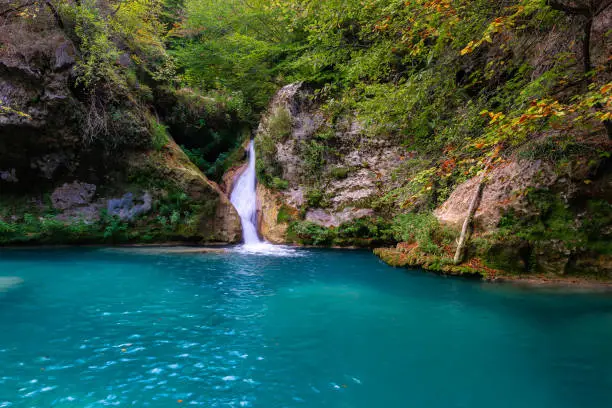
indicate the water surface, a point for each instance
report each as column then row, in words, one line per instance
column 313, row 328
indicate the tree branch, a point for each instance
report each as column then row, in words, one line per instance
column 11, row 10
column 581, row 10
column 53, row 10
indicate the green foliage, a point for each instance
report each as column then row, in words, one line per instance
column 313, row 155
column 279, row 124
column 424, row 230
column 360, row 232
column 575, row 227
column 339, row 173
column 316, row 198
column 266, row 166
column 279, row 184
column 159, row 134
column 115, row 230
column 285, row 215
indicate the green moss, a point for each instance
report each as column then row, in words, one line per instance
column 285, row 215
column 339, row 173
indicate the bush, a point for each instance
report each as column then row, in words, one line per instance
column 423, row 229
column 285, row 215
column 279, row 124
column 315, row 198
column 339, row 173
column 279, row 184
column 313, row 154
column 363, row 232
column 266, row 166
column 159, row 134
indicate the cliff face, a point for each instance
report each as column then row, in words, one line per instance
column 328, row 172
column 319, row 175
column 77, row 168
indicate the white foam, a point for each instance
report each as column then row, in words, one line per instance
column 267, row 249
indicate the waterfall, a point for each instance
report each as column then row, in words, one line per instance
column 244, row 198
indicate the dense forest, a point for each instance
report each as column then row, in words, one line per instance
column 497, row 106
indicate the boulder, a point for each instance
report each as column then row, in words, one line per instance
column 72, row 195
column 503, row 191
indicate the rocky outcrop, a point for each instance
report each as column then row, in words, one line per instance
column 273, row 224
column 335, row 219
column 218, row 219
column 91, row 151
column 35, row 78
column 504, row 190
column 351, row 172
column 72, row 195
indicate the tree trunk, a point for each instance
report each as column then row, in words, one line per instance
column 467, row 224
column 58, row 19
column 586, row 45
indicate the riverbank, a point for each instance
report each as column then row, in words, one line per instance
column 475, row 269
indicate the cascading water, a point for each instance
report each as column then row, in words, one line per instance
column 244, row 198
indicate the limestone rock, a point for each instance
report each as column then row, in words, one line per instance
column 269, row 205
column 64, row 56
column 72, row 195
column 335, row 219
column 503, row 191
column 552, row 257
column 368, row 162
column 127, row 209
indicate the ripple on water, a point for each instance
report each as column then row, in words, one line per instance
column 282, row 327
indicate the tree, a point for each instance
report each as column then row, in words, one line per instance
column 589, row 9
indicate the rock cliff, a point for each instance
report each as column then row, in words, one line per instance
column 319, row 175
column 68, row 159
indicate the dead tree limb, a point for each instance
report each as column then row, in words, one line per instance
column 467, row 224
column 56, row 16
column 474, row 204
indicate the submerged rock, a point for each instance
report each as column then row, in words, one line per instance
column 9, row 282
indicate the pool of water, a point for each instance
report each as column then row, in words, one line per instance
column 311, row 328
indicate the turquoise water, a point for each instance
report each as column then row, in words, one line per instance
column 94, row 328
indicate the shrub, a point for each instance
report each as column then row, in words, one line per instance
column 361, row 232
column 279, row 183
column 339, row 173
column 313, row 154
column 423, row 229
column 266, row 166
column 159, row 134
column 279, row 124
column 285, row 215
column 315, row 198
